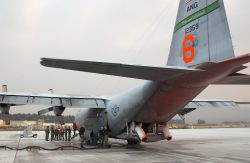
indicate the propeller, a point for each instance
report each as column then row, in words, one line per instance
column 44, row 111
column 58, row 110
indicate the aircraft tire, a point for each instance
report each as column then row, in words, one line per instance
column 133, row 142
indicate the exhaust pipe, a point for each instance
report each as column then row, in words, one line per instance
column 140, row 132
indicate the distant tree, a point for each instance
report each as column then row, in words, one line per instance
column 176, row 121
column 35, row 117
column 201, row 122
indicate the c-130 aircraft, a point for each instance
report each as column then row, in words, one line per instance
column 201, row 54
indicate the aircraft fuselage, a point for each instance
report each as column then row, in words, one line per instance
column 154, row 102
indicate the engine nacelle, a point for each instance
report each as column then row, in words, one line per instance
column 58, row 110
column 5, row 108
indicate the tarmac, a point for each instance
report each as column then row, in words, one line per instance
column 188, row 145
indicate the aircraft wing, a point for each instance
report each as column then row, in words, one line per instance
column 237, row 79
column 117, row 69
column 51, row 100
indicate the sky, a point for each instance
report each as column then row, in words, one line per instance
column 131, row 31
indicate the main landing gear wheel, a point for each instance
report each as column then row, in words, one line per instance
column 134, row 142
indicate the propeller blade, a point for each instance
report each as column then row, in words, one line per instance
column 44, row 111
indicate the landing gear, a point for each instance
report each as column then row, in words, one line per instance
column 134, row 142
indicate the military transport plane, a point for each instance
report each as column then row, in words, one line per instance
column 201, row 54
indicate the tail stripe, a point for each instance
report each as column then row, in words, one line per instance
column 197, row 15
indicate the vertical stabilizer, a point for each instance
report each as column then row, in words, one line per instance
column 201, row 34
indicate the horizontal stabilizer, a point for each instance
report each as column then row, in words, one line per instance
column 242, row 103
column 117, row 69
column 238, row 61
column 211, row 104
column 217, row 104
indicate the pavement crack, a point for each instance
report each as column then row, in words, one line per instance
column 17, row 150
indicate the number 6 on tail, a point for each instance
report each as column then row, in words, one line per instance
column 188, row 49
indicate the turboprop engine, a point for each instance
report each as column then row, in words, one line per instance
column 5, row 108
column 58, row 110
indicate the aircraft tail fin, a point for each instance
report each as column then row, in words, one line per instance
column 201, row 34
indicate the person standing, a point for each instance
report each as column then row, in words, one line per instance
column 74, row 128
column 101, row 136
column 81, row 134
column 92, row 137
column 52, row 131
column 66, row 133
column 69, row 133
column 106, row 135
column 56, row 133
column 47, row 133
column 62, row 132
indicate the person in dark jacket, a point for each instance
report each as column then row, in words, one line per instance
column 52, row 131
column 101, row 136
column 66, row 133
column 81, row 134
column 74, row 128
column 47, row 133
column 57, row 130
column 69, row 133
column 92, row 137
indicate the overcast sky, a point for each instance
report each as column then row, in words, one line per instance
column 127, row 31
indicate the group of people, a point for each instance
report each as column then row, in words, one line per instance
column 58, row 133
column 63, row 133
column 100, row 138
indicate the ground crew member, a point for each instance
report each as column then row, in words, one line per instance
column 106, row 135
column 74, row 128
column 56, row 133
column 101, row 136
column 59, row 132
column 92, row 137
column 52, row 130
column 62, row 133
column 69, row 133
column 66, row 133
column 47, row 133
column 81, row 134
